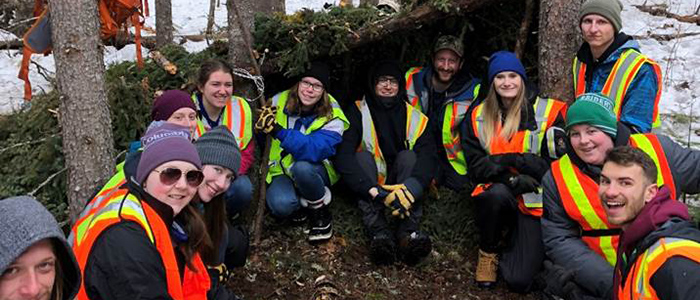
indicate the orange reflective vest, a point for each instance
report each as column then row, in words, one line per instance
column 236, row 116
column 619, row 80
column 413, row 96
column 637, row 285
column 416, row 123
column 524, row 141
column 120, row 205
column 579, row 196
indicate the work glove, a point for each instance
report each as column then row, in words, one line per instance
column 219, row 273
column 532, row 164
column 560, row 282
column 506, row 160
column 382, row 193
column 266, row 119
column 399, row 200
column 521, row 184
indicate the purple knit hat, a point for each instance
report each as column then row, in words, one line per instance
column 163, row 143
column 169, row 102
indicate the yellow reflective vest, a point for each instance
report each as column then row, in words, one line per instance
column 236, row 116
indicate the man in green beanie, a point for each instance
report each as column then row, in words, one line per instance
column 580, row 243
column 610, row 62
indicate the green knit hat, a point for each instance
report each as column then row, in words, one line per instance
column 594, row 109
column 609, row 9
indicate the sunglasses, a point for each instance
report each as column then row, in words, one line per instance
column 170, row 176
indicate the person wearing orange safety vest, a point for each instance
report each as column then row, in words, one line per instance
column 387, row 156
column 216, row 105
column 578, row 239
column 508, row 141
column 142, row 241
column 443, row 91
column 659, row 251
column 610, row 62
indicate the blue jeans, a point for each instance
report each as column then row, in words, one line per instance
column 308, row 179
column 238, row 195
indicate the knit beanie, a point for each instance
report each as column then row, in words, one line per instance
column 594, row 109
column 219, row 147
column 503, row 61
column 449, row 42
column 162, row 143
column 609, row 9
column 169, row 102
column 24, row 221
column 320, row 71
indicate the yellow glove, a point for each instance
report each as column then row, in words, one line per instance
column 399, row 199
column 266, row 118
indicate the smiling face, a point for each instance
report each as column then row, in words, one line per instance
column 217, row 180
column 176, row 195
column 446, row 64
column 31, row 275
column 387, row 86
column 310, row 91
column 597, row 31
column 590, row 143
column 186, row 117
column 623, row 191
column 218, row 89
column 507, row 85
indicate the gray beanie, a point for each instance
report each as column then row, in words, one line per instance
column 24, row 221
column 609, row 9
column 218, row 147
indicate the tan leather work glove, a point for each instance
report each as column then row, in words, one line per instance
column 266, row 119
column 400, row 200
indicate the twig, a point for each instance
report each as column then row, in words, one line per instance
column 44, row 72
column 47, row 181
column 27, row 143
column 21, row 22
column 665, row 37
column 659, row 10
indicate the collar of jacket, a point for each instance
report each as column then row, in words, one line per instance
column 462, row 81
column 163, row 210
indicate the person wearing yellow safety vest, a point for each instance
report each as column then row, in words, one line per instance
column 509, row 140
column 386, row 154
column 610, row 62
column 143, row 240
column 659, row 250
column 216, row 105
column 306, row 124
column 578, row 239
column 443, row 91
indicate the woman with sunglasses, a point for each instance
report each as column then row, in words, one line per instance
column 142, row 241
column 509, row 140
column 305, row 123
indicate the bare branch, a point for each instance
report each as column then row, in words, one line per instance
column 47, row 181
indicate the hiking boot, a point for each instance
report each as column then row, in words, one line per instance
column 486, row 270
column 320, row 224
column 382, row 248
column 299, row 217
column 414, row 247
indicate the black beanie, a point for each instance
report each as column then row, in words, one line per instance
column 386, row 68
column 319, row 71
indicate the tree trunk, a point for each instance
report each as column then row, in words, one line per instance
column 210, row 17
column 84, row 112
column 559, row 39
column 164, row 23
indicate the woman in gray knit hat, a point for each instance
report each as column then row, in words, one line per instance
column 35, row 260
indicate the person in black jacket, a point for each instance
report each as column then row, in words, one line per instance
column 387, row 158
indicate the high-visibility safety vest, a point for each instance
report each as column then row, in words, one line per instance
column 416, row 122
column 579, row 196
column 281, row 165
column 236, row 116
column 524, row 141
column 120, row 205
column 619, row 80
column 637, row 286
column 417, row 101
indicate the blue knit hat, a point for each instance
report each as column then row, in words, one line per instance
column 503, row 61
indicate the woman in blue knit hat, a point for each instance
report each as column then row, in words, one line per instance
column 509, row 141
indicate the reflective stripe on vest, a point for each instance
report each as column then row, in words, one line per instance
column 638, row 282
column 451, row 137
column 281, row 165
column 649, row 143
column 416, row 123
column 616, row 85
column 413, row 96
column 236, row 116
column 119, row 205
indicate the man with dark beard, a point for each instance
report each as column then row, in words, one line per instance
column 387, row 158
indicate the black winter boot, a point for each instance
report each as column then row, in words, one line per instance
column 414, row 247
column 382, row 248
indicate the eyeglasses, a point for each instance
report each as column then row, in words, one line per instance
column 170, row 176
column 305, row 85
column 387, row 81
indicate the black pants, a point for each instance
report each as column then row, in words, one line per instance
column 449, row 178
column 522, row 256
column 373, row 216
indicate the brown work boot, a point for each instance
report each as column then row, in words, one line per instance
column 486, row 269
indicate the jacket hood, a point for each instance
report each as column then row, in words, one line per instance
column 24, row 222
column 385, row 68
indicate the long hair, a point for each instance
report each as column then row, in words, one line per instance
column 493, row 115
column 322, row 108
column 215, row 220
column 198, row 238
column 205, row 70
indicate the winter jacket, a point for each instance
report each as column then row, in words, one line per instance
column 461, row 89
column 661, row 220
column 639, row 102
column 313, row 147
column 562, row 235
